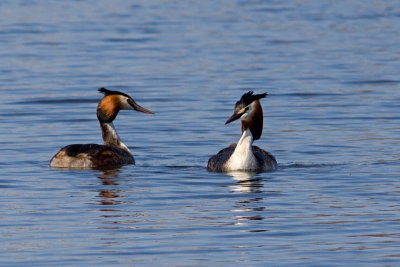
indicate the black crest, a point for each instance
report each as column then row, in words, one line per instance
column 247, row 99
column 107, row 92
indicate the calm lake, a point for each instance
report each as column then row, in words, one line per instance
column 331, row 69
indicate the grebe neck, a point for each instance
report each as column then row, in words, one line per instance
column 110, row 136
column 255, row 122
column 243, row 157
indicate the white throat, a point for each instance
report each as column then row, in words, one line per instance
column 110, row 136
column 243, row 157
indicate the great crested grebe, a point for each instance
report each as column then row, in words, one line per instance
column 113, row 153
column 244, row 156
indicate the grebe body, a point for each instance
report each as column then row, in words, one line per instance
column 113, row 153
column 244, row 156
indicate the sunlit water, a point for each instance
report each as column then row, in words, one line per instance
column 331, row 69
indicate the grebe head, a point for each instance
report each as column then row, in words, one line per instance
column 248, row 109
column 113, row 102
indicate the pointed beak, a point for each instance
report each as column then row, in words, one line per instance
column 139, row 108
column 234, row 117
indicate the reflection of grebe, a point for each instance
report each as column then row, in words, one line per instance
column 244, row 156
column 113, row 153
column 246, row 182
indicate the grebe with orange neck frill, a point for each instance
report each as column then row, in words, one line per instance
column 113, row 153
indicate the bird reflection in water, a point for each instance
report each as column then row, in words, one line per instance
column 247, row 182
column 252, row 208
column 109, row 196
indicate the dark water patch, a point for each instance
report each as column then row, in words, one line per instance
column 28, row 28
column 364, row 119
column 316, row 78
column 311, row 165
column 392, row 162
column 373, row 16
column 58, row 101
column 129, row 40
column 175, row 78
column 271, row 10
column 373, row 82
column 287, row 42
column 43, row 43
column 21, row 114
column 75, row 120
column 309, row 94
column 22, row 31
column 312, row 152
column 13, row 186
column 189, row 167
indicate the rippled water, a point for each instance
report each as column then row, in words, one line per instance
column 331, row 69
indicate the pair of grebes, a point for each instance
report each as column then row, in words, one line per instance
column 237, row 157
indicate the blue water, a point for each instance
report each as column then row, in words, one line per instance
column 331, row 69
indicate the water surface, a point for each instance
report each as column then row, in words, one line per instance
column 331, row 119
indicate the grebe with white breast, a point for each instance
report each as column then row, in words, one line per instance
column 113, row 153
column 244, row 156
